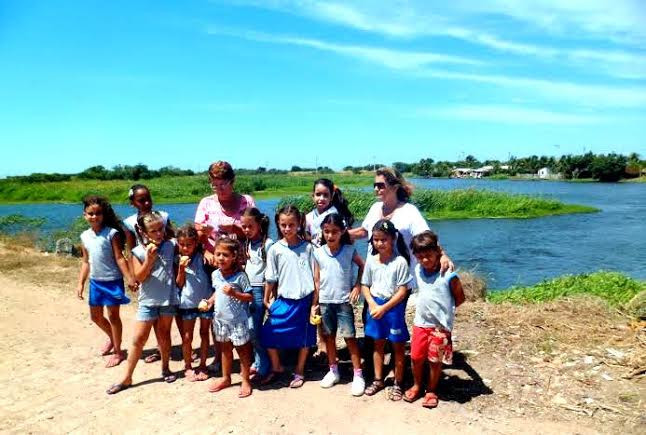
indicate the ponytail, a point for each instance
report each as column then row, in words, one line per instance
column 337, row 200
column 388, row 227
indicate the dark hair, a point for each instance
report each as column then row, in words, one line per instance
column 291, row 209
column 146, row 219
column 110, row 218
column 337, row 200
column 337, row 220
column 221, row 170
column 425, row 241
column 263, row 221
column 233, row 246
column 385, row 226
column 136, row 187
column 395, row 178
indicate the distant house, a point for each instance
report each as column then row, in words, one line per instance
column 544, row 173
column 472, row 173
column 461, row 172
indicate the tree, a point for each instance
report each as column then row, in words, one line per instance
column 608, row 168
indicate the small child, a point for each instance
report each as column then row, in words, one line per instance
column 195, row 287
column 103, row 261
column 385, row 288
column 255, row 226
column 231, row 318
column 158, row 296
column 327, row 199
column 334, row 279
column 436, row 302
column 290, row 296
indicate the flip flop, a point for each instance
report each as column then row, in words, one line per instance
column 271, row 377
column 242, row 395
column 117, row 388
column 410, row 396
column 152, row 358
column 169, row 377
column 430, row 400
column 297, row 382
column 201, row 375
column 217, row 386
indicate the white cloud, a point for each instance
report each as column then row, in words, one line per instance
column 509, row 115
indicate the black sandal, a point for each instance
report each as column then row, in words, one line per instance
column 376, row 386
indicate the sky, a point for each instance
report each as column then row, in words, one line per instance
column 281, row 83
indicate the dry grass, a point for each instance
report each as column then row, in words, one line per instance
column 475, row 287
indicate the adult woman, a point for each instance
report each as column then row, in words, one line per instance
column 219, row 214
column 394, row 193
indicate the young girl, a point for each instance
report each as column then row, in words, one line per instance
column 231, row 319
column 158, row 297
column 385, row 287
column 328, row 199
column 141, row 199
column 103, row 261
column 437, row 299
column 195, row 286
column 334, row 279
column 255, row 226
column 290, row 295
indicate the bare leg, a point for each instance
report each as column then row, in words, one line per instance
column 187, row 342
column 96, row 314
column 274, row 357
column 330, row 345
column 227, row 362
column 378, row 359
column 435, row 370
column 117, row 330
column 399, row 362
column 418, row 372
column 244, row 352
column 205, row 327
column 163, row 329
column 302, row 357
column 355, row 353
column 141, row 333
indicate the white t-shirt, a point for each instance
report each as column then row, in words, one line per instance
column 336, row 277
column 385, row 278
column 291, row 268
column 313, row 221
column 131, row 224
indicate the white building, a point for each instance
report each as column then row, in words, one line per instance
column 544, row 173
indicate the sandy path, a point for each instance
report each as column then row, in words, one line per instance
column 53, row 381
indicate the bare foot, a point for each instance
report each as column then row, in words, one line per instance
column 115, row 359
column 106, row 348
column 189, row 374
column 201, row 374
column 216, row 386
column 245, row 390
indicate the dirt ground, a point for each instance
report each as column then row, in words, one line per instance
column 573, row 367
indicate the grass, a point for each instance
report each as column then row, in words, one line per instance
column 634, row 180
column 615, row 288
column 461, row 204
column 168, row 189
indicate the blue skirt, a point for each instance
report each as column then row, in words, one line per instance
column 392, row 326
column 107, row 293
column 288, row 324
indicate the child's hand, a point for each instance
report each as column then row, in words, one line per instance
column 230, row 289
column 268, row 304
column 79, row 292
column 152, row 250
column 355, row 293
column 184, row 261
column 203, row 305
column 209, row 258
column 314, row 310
column 132, row 284
column 377, row 312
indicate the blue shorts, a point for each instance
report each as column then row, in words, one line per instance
column 146, row 314
column 338, row 319
column 392, row 326
column 107, row 293
column 194, row 313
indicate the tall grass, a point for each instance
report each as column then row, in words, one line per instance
column 613, row 287
column 460, row 204
column 165, row 189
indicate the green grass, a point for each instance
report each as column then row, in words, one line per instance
column 613, row 287
column 460, row 204
column 167, row 189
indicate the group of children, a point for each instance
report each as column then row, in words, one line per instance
column 262, row 296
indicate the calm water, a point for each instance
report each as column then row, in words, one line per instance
column 506, row 251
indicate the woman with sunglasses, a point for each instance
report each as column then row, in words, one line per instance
column 219, row 214
column 393, row 193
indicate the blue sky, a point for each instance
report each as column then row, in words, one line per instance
column 277, row 83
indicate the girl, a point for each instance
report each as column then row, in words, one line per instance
column 290, row 295
column 141, row 199
column 255, row 226
column 158, row 298
column 438, row 297
column 195, row 286
column 333, row 278
column 231, row 319
column 385, row 287
column 328, row 199
column 103, row 261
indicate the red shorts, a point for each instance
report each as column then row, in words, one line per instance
column 431, row 343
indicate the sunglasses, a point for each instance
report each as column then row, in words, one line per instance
column 379, row 186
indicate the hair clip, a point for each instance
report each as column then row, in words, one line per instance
column 131, row 193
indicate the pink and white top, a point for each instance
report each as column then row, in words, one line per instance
column 210, row 212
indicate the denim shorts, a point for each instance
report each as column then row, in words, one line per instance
column 338, row 319
column 194, row 313
column 146, row 314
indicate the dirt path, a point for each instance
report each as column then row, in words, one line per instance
column 53, row 381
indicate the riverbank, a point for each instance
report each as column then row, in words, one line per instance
column 557, row 367
column 461, row 204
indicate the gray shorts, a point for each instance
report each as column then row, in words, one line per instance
column 237, row 333
column 338, row 319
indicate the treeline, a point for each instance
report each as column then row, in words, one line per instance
column 119, row 172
